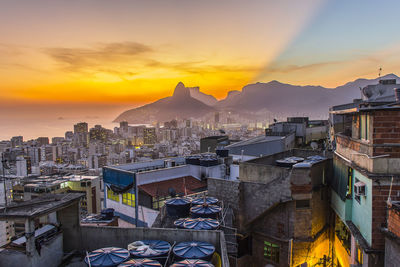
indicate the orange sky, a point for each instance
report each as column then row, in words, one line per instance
column 72, row 57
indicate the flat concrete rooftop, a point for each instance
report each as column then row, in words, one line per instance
column 39, row 206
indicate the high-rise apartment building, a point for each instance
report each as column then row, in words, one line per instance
column 149, row 136
column 17, row 141
column 81, row 134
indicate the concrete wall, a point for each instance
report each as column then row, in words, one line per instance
column 70, row 223
column 358, row 151
column 392, row 252
column 51, row 254
column 226, row 191
column 259, row 197
column 261, row 173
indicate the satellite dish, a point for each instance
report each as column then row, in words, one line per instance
column 367, row 92
column 314, row 145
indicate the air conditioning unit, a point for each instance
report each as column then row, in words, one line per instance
column 359, row 189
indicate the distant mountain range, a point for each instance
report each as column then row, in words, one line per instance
column 273, row 97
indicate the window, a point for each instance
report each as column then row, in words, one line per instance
column 128, row 199
column 158, row 202
column 364, row 125
column 83, row 184
column 349, row 181
column 271, row 251
column 303, row 204
column 111, row 195
column 340, row 179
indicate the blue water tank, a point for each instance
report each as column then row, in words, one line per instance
column 107, row 214
column 205, row 211
column 194, row 250
column 201, row 224
column 192, row 263
column 150, row 249
column 140, row 263
column 221, row 152
column 179, row 223
column 206, row 200
column 178, row 207
column 193, row 160
column 107, row 257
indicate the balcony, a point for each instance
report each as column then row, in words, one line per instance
column 374, row 158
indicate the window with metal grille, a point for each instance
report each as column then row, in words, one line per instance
column 128, row 199
column 111, row 195
column 271, row 251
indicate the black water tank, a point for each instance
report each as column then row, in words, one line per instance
column 107, row 214
column 223, row 153
column 178, row 207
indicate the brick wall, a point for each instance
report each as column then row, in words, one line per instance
column 347, row 142
column 394, row 220
column 386, row 130
column 380, row 194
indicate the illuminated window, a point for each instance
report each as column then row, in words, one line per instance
column 113, row 196
column 359, row 254
column 271, row 251
column 128, row 199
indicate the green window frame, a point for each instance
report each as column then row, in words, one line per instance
column 271, row 251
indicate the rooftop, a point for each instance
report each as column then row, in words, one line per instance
column 161, row 189
column 297, row 158
column 38, row 207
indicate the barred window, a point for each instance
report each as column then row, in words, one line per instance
column 271, row 251
column 113, row 196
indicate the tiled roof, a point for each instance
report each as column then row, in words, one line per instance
column 160, row 189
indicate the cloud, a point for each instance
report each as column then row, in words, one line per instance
column 201, row 67
column 89, row 59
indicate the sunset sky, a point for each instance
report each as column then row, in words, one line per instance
column 68, row 61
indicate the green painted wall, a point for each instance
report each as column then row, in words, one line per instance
column 362, row 211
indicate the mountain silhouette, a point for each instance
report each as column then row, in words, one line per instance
column 273, row 97
column 178, row 106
